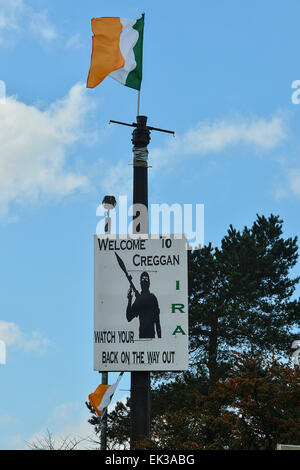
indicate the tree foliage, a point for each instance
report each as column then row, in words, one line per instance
column 118, row 426
column 255, row 408
column 241, row 296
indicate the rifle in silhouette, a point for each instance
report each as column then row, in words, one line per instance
column 129, row 277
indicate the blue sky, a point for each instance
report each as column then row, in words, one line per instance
column 219, row 74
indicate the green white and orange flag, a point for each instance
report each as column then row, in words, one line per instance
column 101, row 397
column 117, row 51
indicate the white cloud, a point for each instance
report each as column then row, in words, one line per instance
column 13, row 336
column 294, row 181
column 18, row 16
column 10, row 12
column 213, row 137
column 41, row 27
column 290, row 185
column 67, row 424
column 69, row 421
column 34, row 148
column 205, row 138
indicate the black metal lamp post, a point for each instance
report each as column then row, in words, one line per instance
column 109, row 203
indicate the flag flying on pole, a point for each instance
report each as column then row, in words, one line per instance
column 117, row 51
column 101, row 397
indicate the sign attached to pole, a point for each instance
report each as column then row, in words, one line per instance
column 140, row 303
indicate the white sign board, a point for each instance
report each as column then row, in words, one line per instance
column 140, row 304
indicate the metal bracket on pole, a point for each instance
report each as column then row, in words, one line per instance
column 138, row 124
column 141, row 138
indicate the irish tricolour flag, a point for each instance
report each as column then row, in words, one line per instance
column 117, row 51
column 101, row 397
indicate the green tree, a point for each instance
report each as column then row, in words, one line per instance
column 256, row 407
column 241, row 296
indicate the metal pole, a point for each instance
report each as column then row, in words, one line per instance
column 140, row 381
column 104, row 419
column 138, row 102
column 104, row 375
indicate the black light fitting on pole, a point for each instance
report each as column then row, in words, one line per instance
column 109, row 202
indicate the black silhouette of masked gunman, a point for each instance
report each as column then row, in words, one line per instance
column 146, row 308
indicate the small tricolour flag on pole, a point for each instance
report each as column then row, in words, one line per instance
column 117, row 51
column 101, row 397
